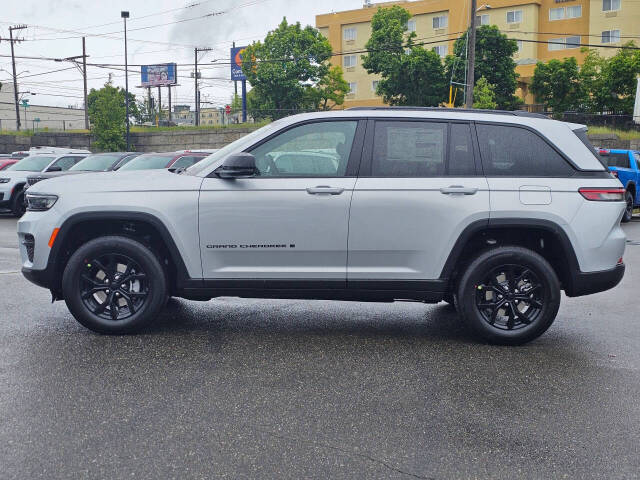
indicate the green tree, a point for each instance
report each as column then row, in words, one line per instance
column 484, row 95
column 411, row 74
column 330, row 90
column 107, row 115
column 610, row 83
column 494, row 61
column 236, row 103
column 558, row 86
column 283, row 67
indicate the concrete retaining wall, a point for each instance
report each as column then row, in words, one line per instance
column 164, row 141
column 167, row 141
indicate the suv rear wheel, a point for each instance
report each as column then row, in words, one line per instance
column 114, row 285
column 509, row 295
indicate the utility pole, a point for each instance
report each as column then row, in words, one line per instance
column 15, row 77
column 471, row 55
column 84, row 74
column 125, row 15
column 195, row 76
column 169, row 88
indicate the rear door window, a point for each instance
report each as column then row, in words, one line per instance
column 620, row 160
column 187, row 161
column 461, row 157
column 517, row 152
column 409, row 149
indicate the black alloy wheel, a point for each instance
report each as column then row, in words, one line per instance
column 510, row 297
column 18, row 207
column 113, row 286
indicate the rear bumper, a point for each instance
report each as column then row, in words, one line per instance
column 593, row 282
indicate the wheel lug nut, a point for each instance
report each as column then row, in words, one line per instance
column 107, row 290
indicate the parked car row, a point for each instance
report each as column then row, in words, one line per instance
column 21, row 170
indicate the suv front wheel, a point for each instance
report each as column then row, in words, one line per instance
column 509, row 295
column 114, row 285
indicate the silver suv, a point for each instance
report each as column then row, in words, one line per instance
column 495, row 212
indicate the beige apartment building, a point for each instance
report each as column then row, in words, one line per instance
column 544, row 29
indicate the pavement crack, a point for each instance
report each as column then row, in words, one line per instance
column 346, row 451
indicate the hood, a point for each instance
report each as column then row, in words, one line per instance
column 47, row 175
column 128, row 181
column 13, row 174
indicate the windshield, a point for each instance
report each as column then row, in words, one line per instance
column 96, row 163
column 149, row 162
column 238, row 145
column 31, row 164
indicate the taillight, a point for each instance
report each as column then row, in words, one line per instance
column 603, row 194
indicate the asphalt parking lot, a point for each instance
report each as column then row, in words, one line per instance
column 293, row 389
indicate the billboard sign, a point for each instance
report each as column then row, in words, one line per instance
column 236, row 64
column 159, row 75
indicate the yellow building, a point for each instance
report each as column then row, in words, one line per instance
column 544, row 29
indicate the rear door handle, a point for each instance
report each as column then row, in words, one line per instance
column 458, row 190
column 324, row 190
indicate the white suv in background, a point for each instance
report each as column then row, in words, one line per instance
column 14, row 178
column 496, row 212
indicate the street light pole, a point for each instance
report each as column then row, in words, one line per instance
column 471, row 55
column 124, row 16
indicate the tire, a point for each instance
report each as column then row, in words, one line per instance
column 450, row 299
column 114, row 285
column 628, row 211
column 17, row 204
column 509, row 295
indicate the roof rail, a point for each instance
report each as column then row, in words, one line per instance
column 518, row 113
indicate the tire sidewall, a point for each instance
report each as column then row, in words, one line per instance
column 627, row 215
column 476, row 273
column 18, row 208
column 149, row 263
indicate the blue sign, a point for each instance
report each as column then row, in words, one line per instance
column 159, row 75
column 236, row 64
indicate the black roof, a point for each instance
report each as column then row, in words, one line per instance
column 517, row 113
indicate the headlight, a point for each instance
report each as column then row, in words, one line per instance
column 39, row 202
column 5, row 180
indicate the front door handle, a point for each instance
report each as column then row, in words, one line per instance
column 324, row 190
column 458, row 190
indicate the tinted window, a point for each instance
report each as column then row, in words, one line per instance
column 620, row 160
column 32, row 164
column 517, row 152
column 636, row 157
column 65, row 163
column 187, row 161
column 149, row 161
column 96, row 163
column 461, row 162
column 314, row 150
column 409, row 149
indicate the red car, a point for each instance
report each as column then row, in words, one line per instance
column 151, row 161
column 7, row 162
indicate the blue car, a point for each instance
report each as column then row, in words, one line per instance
column 625, row 164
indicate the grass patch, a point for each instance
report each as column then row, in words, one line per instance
column 622, row 134
column 20, row 133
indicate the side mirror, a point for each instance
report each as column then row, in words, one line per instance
column 238, row 165
column 54, row 168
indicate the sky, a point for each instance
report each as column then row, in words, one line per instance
column 55, row 29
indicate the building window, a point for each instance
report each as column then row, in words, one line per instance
column 514, row 16
column 482, row 19
column 610, row 5
column 411, row 25
column 441, row 50
column 349, row 34
column 374, row 85
column 573, row 42
column 353, row 88
column 440, row 22
column 574, row 12
column 556, row 13
column 556, row 44
column 611, row 36
column 349, row 61
column 520, row 45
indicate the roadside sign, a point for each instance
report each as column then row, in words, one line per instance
column 236, row 64
column 227, row 109
column 25, row 103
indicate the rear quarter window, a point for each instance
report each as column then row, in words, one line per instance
column 517, row 152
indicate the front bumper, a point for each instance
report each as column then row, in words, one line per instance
column 593, row 282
